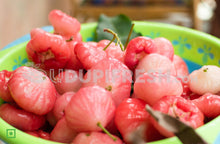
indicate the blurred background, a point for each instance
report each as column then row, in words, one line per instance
column 18, row 17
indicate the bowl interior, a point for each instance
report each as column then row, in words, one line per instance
column 196, row 48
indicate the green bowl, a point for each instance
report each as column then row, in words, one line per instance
column 196, row 48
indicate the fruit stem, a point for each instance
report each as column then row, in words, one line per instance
column 109, row 43
column 129, row 35
column 106, row 131
column 115, row 37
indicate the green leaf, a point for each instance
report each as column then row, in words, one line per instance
column 185, row 133
column 120, row 24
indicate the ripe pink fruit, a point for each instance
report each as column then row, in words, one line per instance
column 74, row 38
column 60, row 105
column 180, row 108
column 95, row 138
column 67, row 81
column 182, row 74
column 4, row 91
column 163, row 47
column 140, row 46
column 36, row 31
column 180, row 65
column 62, row 132
column 64, row 24
column 92, row 43
column 88, row 54
column 136, row 49
column 20, row 118
column 113, row 50
column 209, row 104
column 89, row 106
column 205, row 80
column 48, row 50
column 112, row 75
column 155, row 63
column 150, row 87
column 32, row 90
column 78, row 37
column 73, row 62
column 130, row 116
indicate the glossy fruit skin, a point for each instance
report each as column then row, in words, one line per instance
column 73, row 62
column 182, row 74
column 136, row 49
column 64, row 24
column 67, row 81
column 141, row 46
column 20, row 118
column 150, row 87
column 130, row 116
column 95, row 138
column 180, row 65
column 209, row 104
column 32, row 90
column 88, row 54
column 112, row 75
column 163, row 47
column 153, row 63
column 36, row 31
column 60, row 105
column 113, row 50
column 178, row 107
column 89, row 106
column 73, row 38
column 62, row 132
column 4, row 91
column 48, row 50
column 78, row 37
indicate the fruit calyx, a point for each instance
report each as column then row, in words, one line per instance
column 46, row 55
column 205, row 70
column 173, row 111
